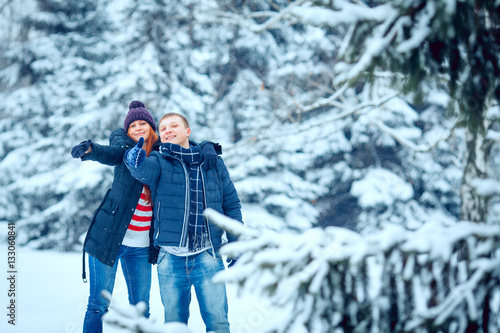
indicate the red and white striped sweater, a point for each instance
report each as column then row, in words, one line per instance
column 137, row 234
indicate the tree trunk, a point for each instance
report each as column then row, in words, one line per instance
column 474, row 207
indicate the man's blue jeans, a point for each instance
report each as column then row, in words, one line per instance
column 177, row 274
column 137, row 273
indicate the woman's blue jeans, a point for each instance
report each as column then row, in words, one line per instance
column 137, row 273
column 177, row 274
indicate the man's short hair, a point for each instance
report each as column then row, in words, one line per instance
column 173, row 114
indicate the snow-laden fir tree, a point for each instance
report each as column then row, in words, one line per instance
column 393, row 280
column 52, row 63
column 302, row 149
column 337, row 135
column 454, row 44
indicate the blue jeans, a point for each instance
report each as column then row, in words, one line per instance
column 137, row 272
column 177, row 274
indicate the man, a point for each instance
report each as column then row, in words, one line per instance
column 182, row 188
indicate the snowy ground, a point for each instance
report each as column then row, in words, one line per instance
column 51, row 297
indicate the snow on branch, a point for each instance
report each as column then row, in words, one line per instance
column 407, row 143
column 486, row 187
column 326, row 101
column 375, row 46
column 130, row 318
column 342, row 12
column 393, row 280
column 247, row 20
column 493, row 135
column 269, row 23
column 391, row 24
column 228, row 224
column 347, row 111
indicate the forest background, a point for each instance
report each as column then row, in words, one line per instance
column 337, row 113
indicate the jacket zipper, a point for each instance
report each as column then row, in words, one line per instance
column 186, row 205
column 204, row 219
column 158, row 219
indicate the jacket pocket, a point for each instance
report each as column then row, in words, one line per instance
column 110, row 206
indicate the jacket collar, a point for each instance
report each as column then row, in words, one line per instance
column 166, row 152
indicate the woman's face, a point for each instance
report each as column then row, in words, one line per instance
column 173, row 130
column 138, row 129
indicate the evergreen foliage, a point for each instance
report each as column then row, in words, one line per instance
column 394, row 280
column 302, row 149
column 456, row 42
column 271, row 82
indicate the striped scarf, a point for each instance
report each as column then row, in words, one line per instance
column 197, row 229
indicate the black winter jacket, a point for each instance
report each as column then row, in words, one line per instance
column 112, row 217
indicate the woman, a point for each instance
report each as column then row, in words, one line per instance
column 121, row 225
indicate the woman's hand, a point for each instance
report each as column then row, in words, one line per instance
column 81, row 149
column 208, row 156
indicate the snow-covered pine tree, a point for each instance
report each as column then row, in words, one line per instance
column 393, row 280
column 302, row 149
column 328, row 137
column 51, row 62
column 455, row 44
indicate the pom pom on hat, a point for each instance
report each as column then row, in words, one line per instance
column 137, row 111
column 136, row 104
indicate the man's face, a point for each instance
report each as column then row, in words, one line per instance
column 173, row 130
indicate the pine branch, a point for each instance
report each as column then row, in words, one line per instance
column 410, row 145
column 317, row 273
column 229, row 225
column 130, row 318
column 349, row 111
column 273, row 20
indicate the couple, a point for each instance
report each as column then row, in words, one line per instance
column 153, row 214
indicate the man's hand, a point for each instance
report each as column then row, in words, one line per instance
column 135, row 156
column 231, row 261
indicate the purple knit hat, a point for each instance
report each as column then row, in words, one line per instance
column 137, row 111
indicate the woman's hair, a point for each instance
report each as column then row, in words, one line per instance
column 172, row 114
column 153, row 138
